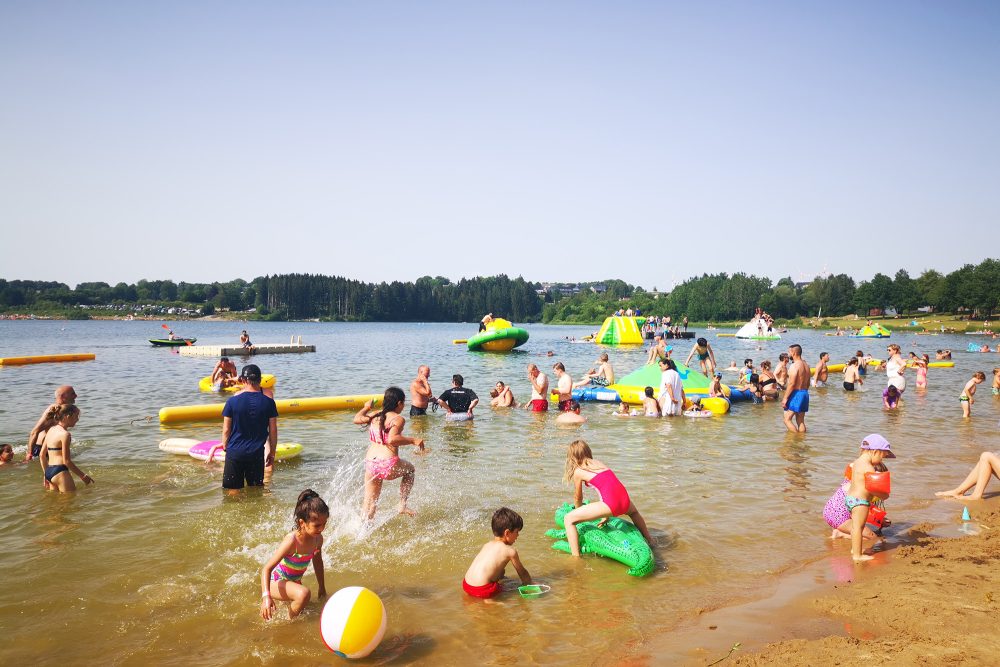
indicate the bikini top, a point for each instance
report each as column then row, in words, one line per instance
column 768, row 381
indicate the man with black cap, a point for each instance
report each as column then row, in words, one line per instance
column 249, row 433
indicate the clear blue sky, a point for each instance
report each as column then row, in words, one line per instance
column 569, row 141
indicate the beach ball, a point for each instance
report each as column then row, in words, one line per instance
column 353, row 622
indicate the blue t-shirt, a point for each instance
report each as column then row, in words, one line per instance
column 251, row 412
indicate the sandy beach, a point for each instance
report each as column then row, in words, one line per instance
column 924, row 601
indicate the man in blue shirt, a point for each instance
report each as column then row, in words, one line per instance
column 249, row 432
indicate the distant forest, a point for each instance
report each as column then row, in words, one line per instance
column 717, row 297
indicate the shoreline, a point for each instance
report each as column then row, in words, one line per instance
column 925, row 599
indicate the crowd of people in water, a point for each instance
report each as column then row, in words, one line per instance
column 250, row 432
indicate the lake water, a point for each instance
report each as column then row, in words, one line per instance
column 151, row 565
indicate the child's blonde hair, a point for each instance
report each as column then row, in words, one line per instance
column 577, row 454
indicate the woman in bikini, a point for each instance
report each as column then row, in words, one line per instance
column 55, row 457
column 382, row 462
column 768, row 382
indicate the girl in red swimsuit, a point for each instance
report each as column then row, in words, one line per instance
column 583, row 469
column 382, row 462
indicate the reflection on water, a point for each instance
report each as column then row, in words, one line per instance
column 170, row 566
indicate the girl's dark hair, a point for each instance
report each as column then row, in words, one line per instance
column 648, row 391
column 853, row 361
column 309, row 505
column 393, row 396
column 702, row 342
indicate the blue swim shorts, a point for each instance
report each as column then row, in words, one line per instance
column 798, row 401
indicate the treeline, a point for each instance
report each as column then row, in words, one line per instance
column 724, row 297
column 717, row 297
column 292, row 296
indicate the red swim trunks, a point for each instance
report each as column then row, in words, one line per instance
column 539, row 405
column 490, row 590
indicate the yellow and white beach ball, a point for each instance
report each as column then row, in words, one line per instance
column 353, row 622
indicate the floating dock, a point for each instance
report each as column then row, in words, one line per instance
column 240, row 351
column 44, row 359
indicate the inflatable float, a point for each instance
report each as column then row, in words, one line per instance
column 910, row 364
column 205, row 384
column 176, row 342
column 177, row 445
column 45, row 359
column 500, row 336
column 620, row 331
column 756, row 329
column 833, row 368
column 873, row 331
column 457, row 417
column 284, row 450
column 632, row 387
column 286, row 406
column 618, row 540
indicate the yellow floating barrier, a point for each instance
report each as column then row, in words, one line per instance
column 286, row 406
column 205, row 384
column 45, row 359
column 725, row 335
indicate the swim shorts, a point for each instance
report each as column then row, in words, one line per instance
column 381, row 468
column 565, row 406
column 416, row 412
column 798, row 401
column 600, row 380
column 539, row 405
column 490, row 590
column 849, row 386
column 239, row 470
column 36, row 450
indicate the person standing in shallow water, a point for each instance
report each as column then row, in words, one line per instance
column 65, row 395
column 249, row 433
column 420, row 392
column 796, row 402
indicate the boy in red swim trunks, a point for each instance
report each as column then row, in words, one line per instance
column 483, row 577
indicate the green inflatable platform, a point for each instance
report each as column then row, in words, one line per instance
column 618, row 540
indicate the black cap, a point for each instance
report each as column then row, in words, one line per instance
column 251, row 372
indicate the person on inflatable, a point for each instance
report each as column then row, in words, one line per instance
column 582, row 469
column 482, row 579
column 706, row 356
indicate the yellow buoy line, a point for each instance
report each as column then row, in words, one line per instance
column 45, row 359
column 286, row 406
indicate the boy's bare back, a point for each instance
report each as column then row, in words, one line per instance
column 490, row 563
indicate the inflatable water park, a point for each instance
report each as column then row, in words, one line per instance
column 500, row 336
column 874, row 330
column 757, row 329
column 621, row 331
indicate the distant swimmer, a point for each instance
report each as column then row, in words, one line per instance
column 564, row 386
column 602, row 376
column 6, row 455
column 539, row 390
column 822, row 372
column 486, row 321
column 420, row 392
column 65, row 395
column 796, row 403
column 502, row 396
column 224, row 374
column 245, row 341
column 968, row 396
column 942, row 355
column 571, row 416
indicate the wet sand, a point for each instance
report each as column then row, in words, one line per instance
column 926, row 600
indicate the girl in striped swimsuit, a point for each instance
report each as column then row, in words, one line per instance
column 281, row 576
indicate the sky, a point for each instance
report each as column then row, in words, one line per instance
column 558, row 141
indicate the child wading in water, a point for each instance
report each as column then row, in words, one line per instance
column 968, row 396
column 382, row 462
column 858, row 498
column 281, row 576
column 55, row 457
column 581, row 469
column 482, row 580
column 852, row 375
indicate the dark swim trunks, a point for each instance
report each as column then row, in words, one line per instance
column 35, row 451
column 416, row 412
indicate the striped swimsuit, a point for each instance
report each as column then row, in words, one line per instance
column 293, row 566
